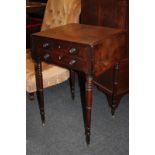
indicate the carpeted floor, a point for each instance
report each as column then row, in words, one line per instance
column 63, row 133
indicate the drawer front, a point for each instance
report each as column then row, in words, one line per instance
column 64, row 48
column 64, row 54
column 69, row 61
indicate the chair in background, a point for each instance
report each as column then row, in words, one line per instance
column 34, row 18
column 57, row 12
column 32, row 25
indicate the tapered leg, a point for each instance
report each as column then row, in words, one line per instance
column 89, row 93
column 40, row 95
column 115, row 99
column 113, row 110
column 72, row 83
column 113, row 102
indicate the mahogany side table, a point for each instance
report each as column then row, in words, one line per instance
column 88, row 49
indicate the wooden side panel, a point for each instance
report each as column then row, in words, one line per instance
column 113, row 48
column 89, row 12
column 111, row 13
column 106, row 80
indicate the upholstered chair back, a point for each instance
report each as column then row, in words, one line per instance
column 61, row 12
column 57, row 13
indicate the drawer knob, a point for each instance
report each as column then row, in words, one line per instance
column 45, row 45
column 73, row 50
column 72, row 62
column 59, row 57
column 46, row 56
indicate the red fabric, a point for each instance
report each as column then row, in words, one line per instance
column 33, row 22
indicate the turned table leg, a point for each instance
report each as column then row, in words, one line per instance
column 39, row 85
column 115, row 99
column 113, row 102
column 72, row 83
column 89, row 93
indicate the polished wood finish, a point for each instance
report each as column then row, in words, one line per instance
column 88, row 49
column 106, row 42
column 89, row 97
column 39, row 84
column 114, row 83
column 72, row 83
column 111, row 13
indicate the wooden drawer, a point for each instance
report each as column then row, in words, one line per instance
column 67, row 61
column 64, row 48
column 64, row 54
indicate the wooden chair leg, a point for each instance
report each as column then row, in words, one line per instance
column 72, row 83
column 31, row 96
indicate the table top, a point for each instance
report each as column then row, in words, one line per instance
column 80, row 33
